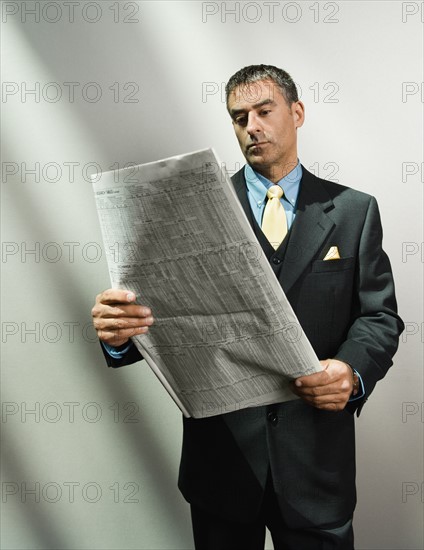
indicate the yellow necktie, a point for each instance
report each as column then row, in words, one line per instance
column 274, row 221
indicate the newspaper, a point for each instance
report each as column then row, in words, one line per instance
column 225, row 337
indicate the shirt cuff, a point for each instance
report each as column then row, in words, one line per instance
column 361, row 391
column 117, row 353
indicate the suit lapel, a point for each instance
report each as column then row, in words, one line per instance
column 239, row 183
column 311, row 227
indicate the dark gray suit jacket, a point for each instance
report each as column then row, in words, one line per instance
column 347, row 308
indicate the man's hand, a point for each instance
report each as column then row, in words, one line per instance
column 329, row 389
column 116, row 317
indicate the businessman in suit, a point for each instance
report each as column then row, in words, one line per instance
column 288, row 466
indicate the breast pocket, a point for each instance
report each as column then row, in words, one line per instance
column 324, row 303
column 343, row 264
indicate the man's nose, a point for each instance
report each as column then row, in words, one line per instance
column 253, row 124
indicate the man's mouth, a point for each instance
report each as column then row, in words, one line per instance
column 259, row 144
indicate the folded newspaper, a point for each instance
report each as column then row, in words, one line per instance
column 225, row 337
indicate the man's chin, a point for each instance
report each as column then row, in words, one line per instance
column 254, row 153
column 256, row 160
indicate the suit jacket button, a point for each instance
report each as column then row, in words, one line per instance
column 276, row 260
column 272, row 418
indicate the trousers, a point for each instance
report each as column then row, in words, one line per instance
column 211, row 532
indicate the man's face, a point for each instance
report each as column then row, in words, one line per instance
column 265, row 127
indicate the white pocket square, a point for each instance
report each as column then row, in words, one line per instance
column 332, row 254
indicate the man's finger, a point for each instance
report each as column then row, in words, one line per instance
column 118, row 323
column 115, row 338
column 115, row 296
column 110, row 311
column 329, row 389
column 312, row 380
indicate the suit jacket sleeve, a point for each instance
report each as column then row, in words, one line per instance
column 373, row 337
column 131, row 356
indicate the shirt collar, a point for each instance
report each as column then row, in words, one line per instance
column 258, row 185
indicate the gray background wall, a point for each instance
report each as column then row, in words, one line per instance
column 90, row 455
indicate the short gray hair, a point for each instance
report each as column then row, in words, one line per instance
column 254, row 73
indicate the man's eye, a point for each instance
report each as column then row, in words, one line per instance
column 265, row 111
column 240, row 120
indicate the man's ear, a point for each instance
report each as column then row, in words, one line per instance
column 298, row 110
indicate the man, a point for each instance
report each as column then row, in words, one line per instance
column 289, row 466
